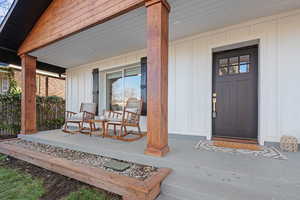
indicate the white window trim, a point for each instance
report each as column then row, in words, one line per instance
column 5, row 84
column 112, row 70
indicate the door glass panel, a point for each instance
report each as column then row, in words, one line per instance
column 234, row 69
column 245, row 59
column 223, row 62
column 244, row 68
column 234, row 61
column 223, row 71
column 132, row 83
column 114, row 90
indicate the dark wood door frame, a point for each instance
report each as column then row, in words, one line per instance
column 250, row 131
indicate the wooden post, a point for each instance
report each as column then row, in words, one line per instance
column 47, row 86
column 28, row 103
column 157, row 82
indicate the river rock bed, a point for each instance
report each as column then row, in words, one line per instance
column 137, row 171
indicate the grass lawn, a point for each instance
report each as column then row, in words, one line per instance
column 84, row 194
column 19, row 185
column 16, row 185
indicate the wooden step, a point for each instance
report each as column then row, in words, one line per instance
column 238, row 140
column 237, row 145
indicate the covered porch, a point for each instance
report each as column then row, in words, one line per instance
column 197, row 174
column 179, row 39
column 179, row 73
column 155, row 99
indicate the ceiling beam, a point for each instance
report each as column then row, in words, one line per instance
column 64, row 18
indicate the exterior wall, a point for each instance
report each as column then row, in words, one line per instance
column 2, row 75
column 41, row 85
column 190, row 76
column 56, row 87
column 18, row 78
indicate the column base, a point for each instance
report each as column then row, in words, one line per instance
column 152, row 151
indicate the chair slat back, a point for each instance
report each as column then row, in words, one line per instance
column 132, row 111
column 133, row 105
column 88, row 107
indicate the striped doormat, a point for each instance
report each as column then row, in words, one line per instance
column 263, row 152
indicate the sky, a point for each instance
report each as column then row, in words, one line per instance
column 4, row 7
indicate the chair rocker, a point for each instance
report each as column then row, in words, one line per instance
column 87, row 112
column 130, row 117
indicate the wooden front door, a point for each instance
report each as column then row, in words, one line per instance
column 235, row 96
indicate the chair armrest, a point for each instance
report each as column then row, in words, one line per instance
column 113, row 114
column 133, row 113
column 132, row 117
column 74, row 113
column 69, row 114
column 88, row 116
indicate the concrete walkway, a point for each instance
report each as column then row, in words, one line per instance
column 197, row 175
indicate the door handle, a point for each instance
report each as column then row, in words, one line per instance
column 214, row 106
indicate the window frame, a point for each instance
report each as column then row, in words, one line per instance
column 5, row 79
column 105, row 86
column 229, row 66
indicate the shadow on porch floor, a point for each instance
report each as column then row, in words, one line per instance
column 197, row 174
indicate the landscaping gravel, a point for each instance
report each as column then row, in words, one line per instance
column 138, row 171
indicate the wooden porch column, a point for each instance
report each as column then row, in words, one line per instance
column 157, row 77
column 28, row 103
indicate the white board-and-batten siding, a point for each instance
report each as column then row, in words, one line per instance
column 190, row 76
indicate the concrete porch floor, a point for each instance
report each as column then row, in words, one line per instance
column 197, row 175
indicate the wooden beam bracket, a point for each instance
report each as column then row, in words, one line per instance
column 152, row 2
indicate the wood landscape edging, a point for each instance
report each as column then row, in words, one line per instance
column 128, row 187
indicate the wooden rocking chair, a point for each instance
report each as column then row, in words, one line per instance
column 87, row 112
column 130, row 117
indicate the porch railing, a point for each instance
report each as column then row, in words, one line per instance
column 50, row 114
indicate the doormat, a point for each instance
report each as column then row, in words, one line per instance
column 265, row 152
column 237, row 145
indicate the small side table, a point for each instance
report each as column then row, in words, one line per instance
column 102, row 122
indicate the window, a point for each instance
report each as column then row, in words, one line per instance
column 5, row 84
column 132, row 83
column 122, row 85
column 223, row 67
column 114, row 83
column 244, row 64
column 234, row 65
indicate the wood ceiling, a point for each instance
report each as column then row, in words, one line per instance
column 128, row 32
